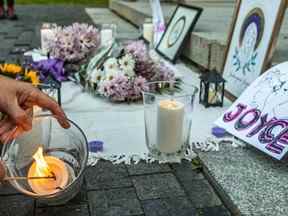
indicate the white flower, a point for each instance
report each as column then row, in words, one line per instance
column 127, row 65
column 111, row 67
column 96, row 75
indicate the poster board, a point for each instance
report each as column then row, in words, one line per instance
column 260, row 115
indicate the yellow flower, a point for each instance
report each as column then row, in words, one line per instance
column 33, row 77
column 10, row 68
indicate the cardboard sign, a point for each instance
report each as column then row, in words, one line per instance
column 260, row 114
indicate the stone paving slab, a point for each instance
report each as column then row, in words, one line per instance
column 125, row 30
column 250, row 182
column 76, row 210
column 215, row 211
column 16, row 205
column 145, row 168
column 177, row 206
column 157, row 186
column 201, row 193
column 107, row 176
column 114, row 202
column 185, row 172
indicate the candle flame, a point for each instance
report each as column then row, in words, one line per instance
column 42, row 168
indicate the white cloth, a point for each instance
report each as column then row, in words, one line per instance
column 121, row 126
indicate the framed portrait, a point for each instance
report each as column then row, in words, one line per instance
column 251, row 42
column 178, row 29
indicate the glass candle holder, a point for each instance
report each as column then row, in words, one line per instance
column 65, row 151
column 108, row 34
column 168, row 110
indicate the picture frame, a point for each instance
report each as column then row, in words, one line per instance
column 179, row 28
column 246, row 58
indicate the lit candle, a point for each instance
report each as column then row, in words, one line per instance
column 170, row 126
column 106, row 36
column 47, row 166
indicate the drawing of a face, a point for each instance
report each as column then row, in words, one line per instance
column 272, row 93
column 246, row 54
column 176, row 31
column 252, row 29
column 249, row 42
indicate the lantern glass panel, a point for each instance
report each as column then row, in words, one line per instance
column 202, row 92
column 215, row 93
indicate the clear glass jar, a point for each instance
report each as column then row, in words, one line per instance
column 108, row 34
column 67, row 147
column 168, row 110
column 148, row 31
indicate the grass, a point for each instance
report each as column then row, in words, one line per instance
column 99, row 3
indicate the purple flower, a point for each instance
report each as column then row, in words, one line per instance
column 116, row 89
column 163, row 72
column 138, row 49
column 50, row 67
column 75, row 42
column 129, row 88
column 138, row 86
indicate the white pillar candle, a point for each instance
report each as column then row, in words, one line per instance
column 47, row 34
column 170, row 126
column 148, row 32
column 106, row 36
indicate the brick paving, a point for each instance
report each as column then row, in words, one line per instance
column 108, row 190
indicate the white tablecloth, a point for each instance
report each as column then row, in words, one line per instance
column 121, row 126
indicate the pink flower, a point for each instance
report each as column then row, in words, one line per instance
column 138, row 49
column 75, row 42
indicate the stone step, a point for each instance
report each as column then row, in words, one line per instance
column 248, row 181
column 207, row 44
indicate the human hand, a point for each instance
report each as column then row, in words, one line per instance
column 17, row 100
column 2, row 171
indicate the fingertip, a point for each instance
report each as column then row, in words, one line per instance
column 63, row 122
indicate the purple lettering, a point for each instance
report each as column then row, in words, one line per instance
column 230, row 116
column 241, row 124
column 275, row 146
column 267, row 136
column 263, row 123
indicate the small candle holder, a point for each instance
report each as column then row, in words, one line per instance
column 47, row 163
column 108, row 34
column 168, row 110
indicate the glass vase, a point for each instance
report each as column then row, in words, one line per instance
column 69, row 146
column 168, row 110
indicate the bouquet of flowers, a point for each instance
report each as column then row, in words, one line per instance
column 74, row 43
column 123, row 78
column 17, row 72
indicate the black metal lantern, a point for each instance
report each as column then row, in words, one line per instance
column 52, row 88
column 212, row 86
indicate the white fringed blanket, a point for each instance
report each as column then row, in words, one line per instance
column 121, row 126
